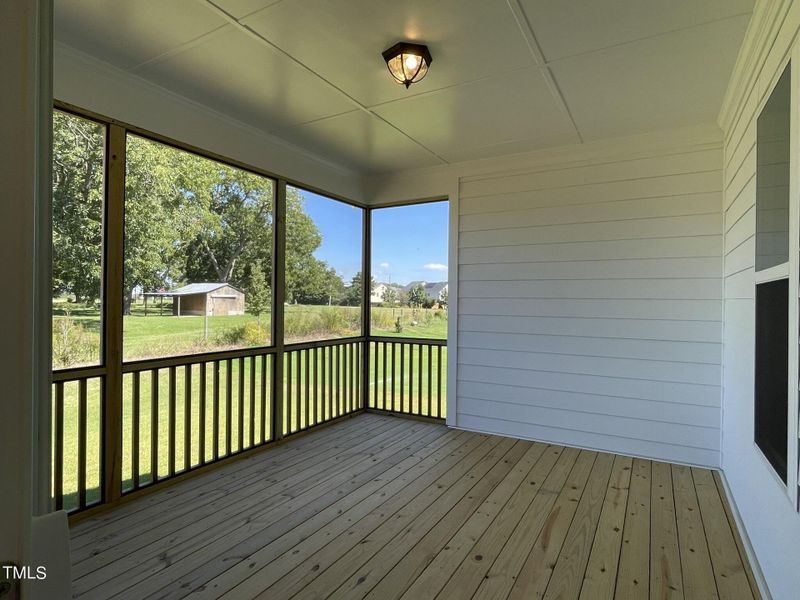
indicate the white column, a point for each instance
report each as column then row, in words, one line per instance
column 25, row 37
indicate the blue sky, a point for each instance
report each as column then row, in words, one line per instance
column 408, row 242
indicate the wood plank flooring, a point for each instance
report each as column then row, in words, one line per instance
column 386, row 508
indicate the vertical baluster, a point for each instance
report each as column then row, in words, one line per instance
column 420, row 349
column 338, row 380
column 299, row 392
column 402, row 376
column 288, row 395
column 375, row 372
column 393, row 380
column 154, row 424
column 385, row 378
column 345, row 381
column 135, row 400
column 171, row 435
column 253, row 369
column 439, row 383
column 58, row 460
column 264, row 422
column 357, row 376
column 187, row 417
column 240, row 412
column 228, row 405
column 430, row 377
column 410, row 380
column 201, row 418
column 315, row 374
column 82, row 400
column 307, row 365
column 325, row 400
column 215, row 414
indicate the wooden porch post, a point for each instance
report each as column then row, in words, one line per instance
column 113, row 314
column 366, row 292
column 278, row 299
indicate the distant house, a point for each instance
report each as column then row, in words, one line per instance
column 211, row 299
column 378, row 292
column 436, row 291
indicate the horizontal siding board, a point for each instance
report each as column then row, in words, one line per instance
column 651, row 329
column 662, row 268
column 695, row 204
column 535, row 233
column 741, row 257
column 680, row 310
column 621, row 445
column 593, row 346
column 690, row 393
column 744, row 202
column 650, row 410
column 652, row 370
column 705, row 161
column 632, row 189
column 741, row 231
column 565, row 250
column 679, row 289
column 656, row 431
column 741, row 285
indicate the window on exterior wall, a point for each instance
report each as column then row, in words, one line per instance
column 78, row 207
column 772, row 276
column 323, row 267
column 197, row 254
column 409, row 266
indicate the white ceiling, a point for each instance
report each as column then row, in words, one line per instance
column 507, row 76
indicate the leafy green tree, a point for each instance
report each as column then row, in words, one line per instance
column 259, row 295
column 187, row 219
column 417, row 296
column 390, row 295
column 78, row 164
column 353, row 296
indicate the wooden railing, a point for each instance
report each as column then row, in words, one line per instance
column 408, row 376
column 182, row 413
column 323, row 382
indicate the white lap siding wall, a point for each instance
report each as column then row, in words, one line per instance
column 590, row 304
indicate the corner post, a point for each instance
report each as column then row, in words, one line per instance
column 278, row 300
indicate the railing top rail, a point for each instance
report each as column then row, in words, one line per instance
column 289, row 347
column 77, row 373
column 193, row 359
column 408, row 340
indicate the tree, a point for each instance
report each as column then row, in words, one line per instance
column 417, row 296
column 443, row 295
column 354, row 297
column 259, row 295
column 187, row 219
column 390, row 295
column 78, row 163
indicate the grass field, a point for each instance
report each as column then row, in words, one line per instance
column 77, row 329
column 177, row 333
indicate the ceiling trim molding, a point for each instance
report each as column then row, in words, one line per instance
column 249, row 31
column 767, row 20
column 536, row 52
column 110, row 71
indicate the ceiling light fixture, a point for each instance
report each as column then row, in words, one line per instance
column 408, row 63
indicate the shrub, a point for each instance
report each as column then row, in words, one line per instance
column 249, row 334
column 72, row 344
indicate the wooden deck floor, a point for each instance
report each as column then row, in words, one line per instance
column 382, row 507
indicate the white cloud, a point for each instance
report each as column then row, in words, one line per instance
column 384, row 265
column 435, row 267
